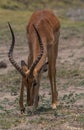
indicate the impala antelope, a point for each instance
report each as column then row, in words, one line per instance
column 43, row 32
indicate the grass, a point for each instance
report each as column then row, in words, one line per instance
column 70, row 78
column 44, row 114
column 8, row 122
column 11, row 4
column 68, row 73
column 18, row 20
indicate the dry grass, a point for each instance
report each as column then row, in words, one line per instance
column 69, row 115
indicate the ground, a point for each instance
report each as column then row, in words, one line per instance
column 69, row 114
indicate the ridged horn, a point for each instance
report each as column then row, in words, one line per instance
column 10, row 53
column 41, row 52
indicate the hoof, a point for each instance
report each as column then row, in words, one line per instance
column 22, row 110
column 54, row 105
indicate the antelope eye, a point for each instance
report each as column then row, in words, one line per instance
column 34, row 83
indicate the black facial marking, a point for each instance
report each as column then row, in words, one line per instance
column 34, row 83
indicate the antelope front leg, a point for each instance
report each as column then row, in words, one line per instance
column 29, row 100
column 36, row 96
column 21, row 98
column 53, row 88
column 52, row 75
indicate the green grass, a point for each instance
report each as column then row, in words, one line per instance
column 30, row 4
column 11, row 4
column 19, row 17
column 18, row 20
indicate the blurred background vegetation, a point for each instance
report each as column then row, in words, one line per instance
column 18, row 12
column 38, row 4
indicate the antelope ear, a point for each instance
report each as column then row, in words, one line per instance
column 24, row 66
column 23, row 63
column 44, row 68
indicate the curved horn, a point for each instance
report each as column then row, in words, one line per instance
column 10, row 54
column 41, row 51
